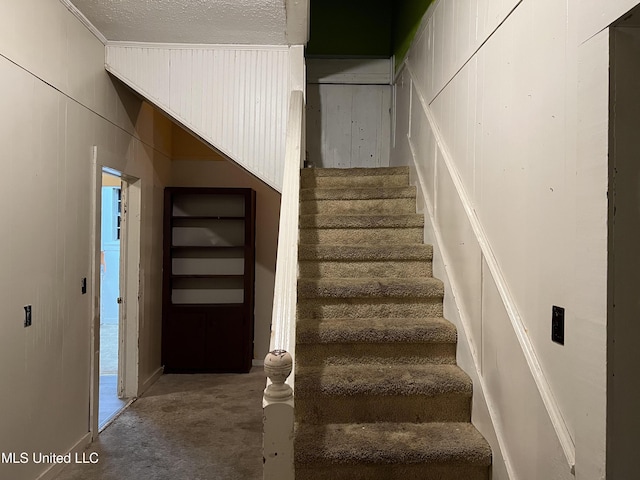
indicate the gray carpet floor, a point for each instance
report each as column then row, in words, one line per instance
column 191, row 427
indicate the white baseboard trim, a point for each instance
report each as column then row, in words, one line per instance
column 151, row 380
column 54, row 470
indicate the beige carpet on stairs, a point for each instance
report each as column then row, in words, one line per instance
column 378, row 392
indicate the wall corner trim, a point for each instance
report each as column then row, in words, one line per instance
column 85, row 21
column 544, row 389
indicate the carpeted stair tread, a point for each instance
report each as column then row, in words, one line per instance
column 376, row 330
column 353, row 172
column 365, row 260
column 387, row 443
column 401, row 307
column 365, row 193
column 427, row 287
column 361, row 236
column 373, row 206
column 354, row 178
column 365, row 252
column 376, row 353
column 381, row 380
column 364, row 268
column 361, row 221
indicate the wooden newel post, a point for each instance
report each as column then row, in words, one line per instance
column 277, row 407
column 277, row 366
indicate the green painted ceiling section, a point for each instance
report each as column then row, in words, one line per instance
column 407, row 17
column 364, row 28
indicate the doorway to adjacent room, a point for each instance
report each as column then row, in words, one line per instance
column 111, row 398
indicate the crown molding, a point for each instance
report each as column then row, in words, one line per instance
column 84, row 20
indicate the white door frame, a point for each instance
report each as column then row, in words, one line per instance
column 129, row 287
column 129, row 283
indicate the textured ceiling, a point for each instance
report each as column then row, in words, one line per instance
column 257, row 22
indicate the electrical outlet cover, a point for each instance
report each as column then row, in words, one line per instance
column 27, row 315
column 557, row 325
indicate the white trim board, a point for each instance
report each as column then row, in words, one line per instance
column 195, row 46
column 528, row 350
column 358, row 71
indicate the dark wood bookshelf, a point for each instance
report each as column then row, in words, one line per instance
column 208, row 279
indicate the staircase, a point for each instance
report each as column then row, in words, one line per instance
column 378, row 393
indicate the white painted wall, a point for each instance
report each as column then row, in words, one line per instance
column 198, row 173
column 57, row 103
column 233, row 97
column 502, row 109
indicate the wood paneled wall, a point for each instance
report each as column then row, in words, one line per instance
column 233, row 97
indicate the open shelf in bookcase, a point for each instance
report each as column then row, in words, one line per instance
column 208, row 279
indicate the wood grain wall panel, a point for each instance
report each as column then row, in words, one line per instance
column 349, row 125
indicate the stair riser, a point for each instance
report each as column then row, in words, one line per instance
column 369, row 308
column 322, row 409
column 376, row 269
column 355, row 182
column 360, row 236
column 418, row 471
column 377, row 353
column 391, row 206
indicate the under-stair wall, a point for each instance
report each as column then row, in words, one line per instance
column 501, row 110
column 234, row 97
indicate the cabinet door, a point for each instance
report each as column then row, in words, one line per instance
column 227, row 337
column 184, row 339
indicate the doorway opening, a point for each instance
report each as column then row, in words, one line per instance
column 111, row 394
column 116, row 205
